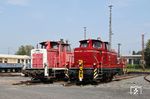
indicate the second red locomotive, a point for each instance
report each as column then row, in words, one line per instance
column 94, row 61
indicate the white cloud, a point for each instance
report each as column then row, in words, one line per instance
column 18, row 2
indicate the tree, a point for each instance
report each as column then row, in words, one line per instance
column 133, row 53
column 24, row 50
column 139, row 53
column 147, row 53
column 136, row 53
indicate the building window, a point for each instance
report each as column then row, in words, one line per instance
column 130, row 61
column 136, row 61
column 29, row 60
column 26, row 60
column 1, row 60
column 6, row 60
column 18, row 61
column 22, row 60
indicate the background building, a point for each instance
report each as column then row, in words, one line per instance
column 13, row 63
column 133, row 59
column 5, row 58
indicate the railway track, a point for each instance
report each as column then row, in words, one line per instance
column 10, row 74
column 116, row 78
column 35, row 82
column 127, row 76
column 67, row 84
column 28, row 82
column 138, row 72
column 146, row 79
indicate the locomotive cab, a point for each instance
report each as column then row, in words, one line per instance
column 89, row 51
column 87, row 57
column 39, row 56
column 54, row 54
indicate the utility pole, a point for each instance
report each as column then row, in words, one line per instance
column 110, row 27
column 143, row 61
column 119, row 49
column 84, row 33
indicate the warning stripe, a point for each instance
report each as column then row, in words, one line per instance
column 95, row 70
column 95, row 76
column 80, row 75
column 67, row 75
column 95, row 73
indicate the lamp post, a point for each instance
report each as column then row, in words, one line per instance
column 143, row 61
column 119, row 49
column 110, row 27
column 84, row 33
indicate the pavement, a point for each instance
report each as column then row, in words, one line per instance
column 133, row 88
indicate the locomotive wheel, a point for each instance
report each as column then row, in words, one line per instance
column 79, row 83
column 107, row 78
column 94, row 82
column 103, row 79
column 66, row 79
column 33, row 79
column 47, row 81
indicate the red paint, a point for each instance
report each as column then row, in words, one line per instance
column 57, row 54
column 90, row 51
column 37, row 60
column 95, row 52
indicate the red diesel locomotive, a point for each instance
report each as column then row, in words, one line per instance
column 50, row 61
column 93, row 61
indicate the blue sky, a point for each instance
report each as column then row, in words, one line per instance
column 31, row 21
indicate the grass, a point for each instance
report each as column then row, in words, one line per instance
column 137, row 70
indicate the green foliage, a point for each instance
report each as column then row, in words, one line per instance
column 147, row 53
column 24, row 50
column 139, row 53
column 133, row 53
column 136, row 53
column 137, row 70
column 135, row 66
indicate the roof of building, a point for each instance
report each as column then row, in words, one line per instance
column 139, row 56
column 14, row 56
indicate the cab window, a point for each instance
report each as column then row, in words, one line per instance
column 84, row 44
column 54, row 45
column 106, row 46
column 96, row 44
column 68, row 48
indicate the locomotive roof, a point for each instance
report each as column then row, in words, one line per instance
column 14, row 56
column 94, row 40
column 90, row 39
column 54, row 42
column 47, row 41
column 106, row 42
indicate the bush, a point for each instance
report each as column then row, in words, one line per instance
column 135, row 66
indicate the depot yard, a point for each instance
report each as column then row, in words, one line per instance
column 113, row 90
